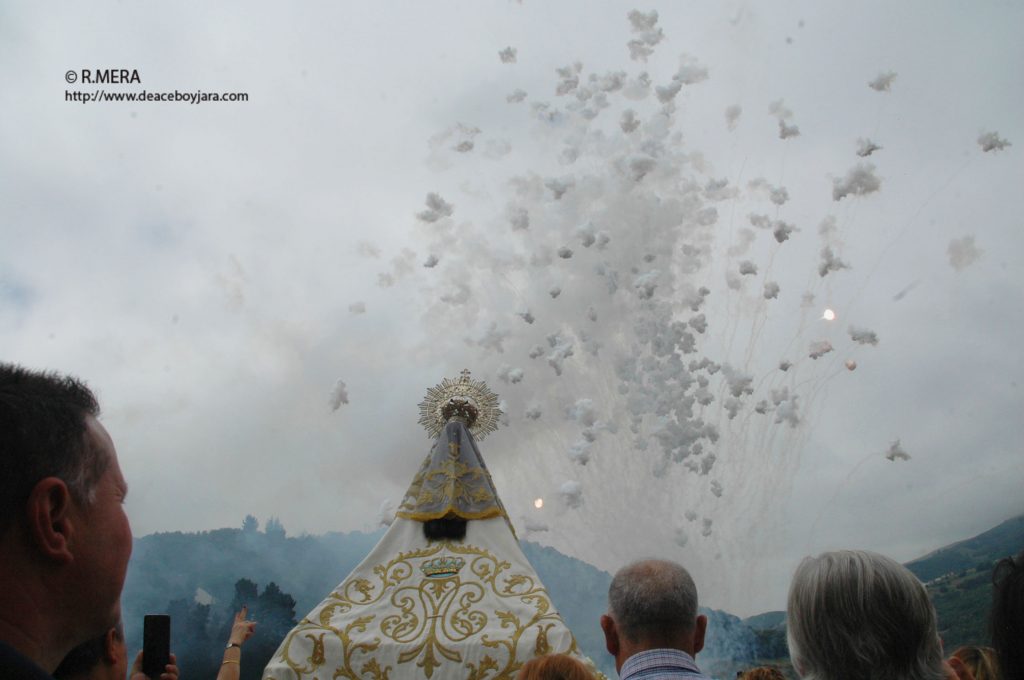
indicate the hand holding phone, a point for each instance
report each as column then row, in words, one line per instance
column 156, row 644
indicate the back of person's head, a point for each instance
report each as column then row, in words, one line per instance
column 763, row 673
column 103, row 657
column 981, row 661
column 652, row 601
column 555, row 667
column 43, row 434
column 1008, row 616
column 858, row 614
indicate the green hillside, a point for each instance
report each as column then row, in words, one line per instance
column 978, row 552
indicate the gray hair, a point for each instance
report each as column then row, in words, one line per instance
column 651, row 599
column 857, row 614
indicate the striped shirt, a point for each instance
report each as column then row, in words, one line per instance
column 660, row 664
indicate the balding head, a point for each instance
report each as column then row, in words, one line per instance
column 652, row 604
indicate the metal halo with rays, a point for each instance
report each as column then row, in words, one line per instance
column 476, row 392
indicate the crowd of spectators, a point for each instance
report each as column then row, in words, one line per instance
column 66, row 541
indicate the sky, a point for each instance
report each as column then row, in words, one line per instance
column 401, row 192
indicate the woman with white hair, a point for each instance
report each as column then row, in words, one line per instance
column 857, row 614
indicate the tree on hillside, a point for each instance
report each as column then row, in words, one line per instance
column 250, row 524
column 274, row 528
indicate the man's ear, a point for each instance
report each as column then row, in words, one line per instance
column 111, row 644
column 49, row 524
column 611, row 635
column 698, row 633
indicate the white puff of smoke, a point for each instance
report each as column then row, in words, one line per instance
column 761, row 407
column 579, row 452
column 680, row 537
column 592, row 314
column 863, row 336
column 785, row 407
column 560, row 185
column 716, row 488
column 526, row 316
column 860, row 180
column 747, row 268
column 437, row 208
column 991, row 141
column 385, row 279
column 865, row 147
column 431, row 261
column 707, row 216
column 732, row 406
column 386, row 513
column 518, row 217
column 745, row 238
column 569, row 78
column 690, row 515
column 571, row 493
column 339, row 396
column 691, row 71
column 807, row 299
column 515, row 96
column 459, row 294
column 367, row 249
column 829, row 263
column 555, row 291
column 586, row 235
column 788, row 130
column 779, row 109
column 562, row 349
column 668, row 93
column 771, row 290
column 639, row 166
column 533, row 412
column 963, row 253
column 739, row 383
column 357, row 308
column 699, row 323
column 781, row 230
column 883, row 81
column 732, row 116
column 819, row 348
column 565, row 253
column 648, row 34
column 706, row 530
column 828, row 227
column 785, row 365
column 629, row 122
column 778, row 195
column 646, row 283
column 896, row 452
column 508, row 55
column 508, row 374
column 719, row 190
column 582, row 412
column 536, row 352
column 493, row 338
column 760, row 221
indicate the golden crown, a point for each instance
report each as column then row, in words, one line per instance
column 442, row 567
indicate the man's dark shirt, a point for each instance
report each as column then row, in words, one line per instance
column 16, row 666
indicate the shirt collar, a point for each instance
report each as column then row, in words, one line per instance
column 658, row 658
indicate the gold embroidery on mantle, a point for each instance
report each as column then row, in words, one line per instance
column 432, row 616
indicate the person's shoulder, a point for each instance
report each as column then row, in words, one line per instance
column 16, row 666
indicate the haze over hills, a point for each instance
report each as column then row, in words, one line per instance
column 201, row 577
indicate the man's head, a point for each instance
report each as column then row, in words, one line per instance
column 854, row 614
column 652, row 604
column 63, row 530
column 101, row 658
column 43, row 422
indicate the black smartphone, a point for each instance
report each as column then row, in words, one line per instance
column 156, row 644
